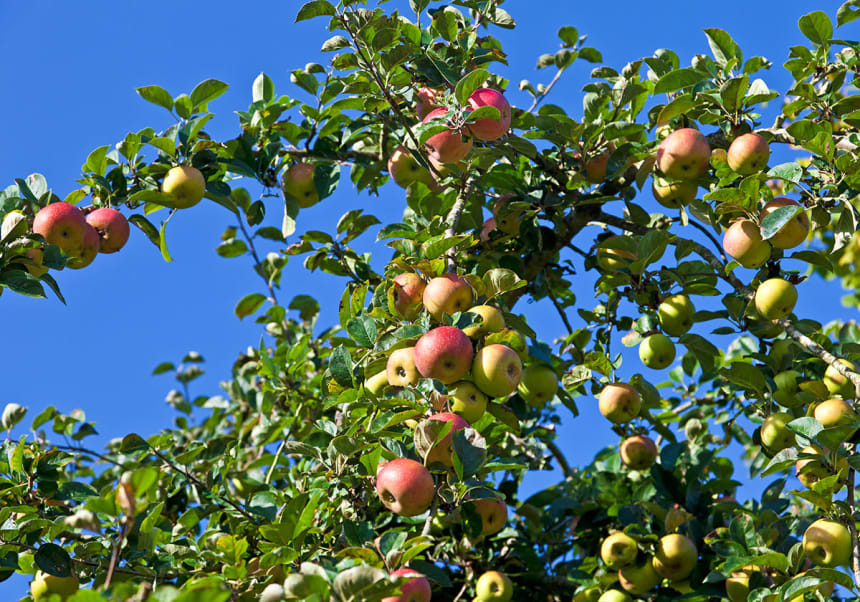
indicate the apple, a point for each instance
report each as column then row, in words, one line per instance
column 112, row 228
column 675, row 557
column 89, row 250
column 274, row 592
column 494, row 586
column 614, row 595
column 792, row 233
column 428, row 99
column 493, row 513
column 538, row 385
column 639, row 578
column 376, row 384
column 298, row 182
column 775, row 434
column 638, row 452
column 442, row 452
column 738, row 586
column 406, row 293
column 676, row 314
column 775, row 298
column 497, row 370
column 513, row 339
column 405, row 487
column 509, row 222
column 825, row 589
column 64, row 225
column 33, row 262
column 618, row 550
column 611, row 259
column 400, row 369
column 810, row 470
column 184, row 185
column 836, row 383
column 487, row 228
column 590, row 593
column 595, row 168
column 788, row 389
column 657, row 351
column 836, row 412
column 43, row 585
column 444, row 353
column 276, row 572
column 684, row 154
column 827, row 543
column 742, row 242
column 449, row 146
column 467, row 401
column 492, row 321
column 447, row 294
column 619, row 402
column 417, row 589
column 487, row 128
column 673, row 194
column 748, row 154
column 405, row 169
column 719, row 157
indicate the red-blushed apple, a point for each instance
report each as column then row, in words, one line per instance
column 619, row 402
column 64, row 225
column 406, row 294
column 467, row 401
column 742, row 242
column 444, row 353
column 89, row 250
column 493, row 513
column 427, row 100
column 748, row 154
column 538, row 385
column 400, row 368
column 673, row 194
column 494, row 586
column 684, row 154
column 595, row 168
column 775, row 298
column 835, row 381
column 657, row 351
column 487, row 228
column 442, row 451
column 837, row 412
column 676, row 314
column 405, row 169
column 298, row 182
column 507, row 221
column 638, row 579
column 487, row 128
column 448, row 146
column 828, row 543
column 112, row 228
column 184, row 185
column 497, row 370
column 417, row 589
column 492, row 320
column 405, row 487
column 675, row 557
column 447, row 294
column 638, row 452
column 618, row 550
column 795, row 231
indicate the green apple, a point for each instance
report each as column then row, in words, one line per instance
column 538, row 385
column 492, row 320
column 738, row 587
column 405, row 169
column 497, row 370
column 827, row 543
column 639, row 578
column 748, row 154
column 376, row 384
column 43, row 585
column 815, row 464
column 298, row 182
column 676, row 314
column 466, row 400
column 775, row 298
column 657, row 351
column 590, row 593
column 795, row 231
column 493, row 513
column 274, row 592
column 675, row 557
column 184, row 185
column 494, row 586
column 619, row 402
column 836, row 383
column 618, row 550
column 742, row 242
column 508, row 221
column 614, row 595
column 400, row 368
column 775, row 434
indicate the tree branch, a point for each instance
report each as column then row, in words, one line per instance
column 855, row 545
column 559, row 457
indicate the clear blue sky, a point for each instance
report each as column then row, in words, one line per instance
column 70, row 70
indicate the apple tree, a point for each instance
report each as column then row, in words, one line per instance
column 382, row 457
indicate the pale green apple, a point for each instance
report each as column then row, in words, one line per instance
column 827, row 543
column 538, row 385
column 676, row 314
column 657, row 351
column 467, row 401
column 492, row 320
column 775, row 298
column 494, row 586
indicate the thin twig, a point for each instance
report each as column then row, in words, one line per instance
column 257, row 261
column 539, row 98
column 559, row 457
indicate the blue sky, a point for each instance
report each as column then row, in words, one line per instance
column 71, row 70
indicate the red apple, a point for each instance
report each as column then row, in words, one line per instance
column 405, row 487
column 428, row 99
column 448, row 146
column 742, row 242
column 442, row 452
column 447, row 294
column 595, row 168
column 487, row 128
column 406, row 294
column 444, row 353
column 89, row 249
column 112, row 228
column 638, row 452
column 684, row 154
column 497, row 370
column 64, row 225
column 417, row 589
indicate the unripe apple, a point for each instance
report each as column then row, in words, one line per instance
column 89, row 250
column 836, row 383
column 638, row 579
column 510, row 221
column 614, row 595
column 405, row 487
column 447, row 294
column 683, row 154
column 62, row 224
column 43, row 585
column 494, row 586
column 775, row 298
column 184, row 185
column 825, row 589
column 810, row 470
column 417, row 589
column 742, row 242
column 376, row 384
column 611, row 259
column 638, row 452
column 444, row 353
column 619, row 402
column 467, row 401
column 34, row 262
column 738, row 587
column 618, row 550
column 676, row 314
column 748, row 154
column 274, row 592
column 492, row 321
column 406, row 294
column 299, row 183
column 827, row 543
column 590, row 593
column 112, row 228
column 539, row 384
column 493, row 513
column 719, row 157
column 487, row 128
column 497, row 370
column 657, row 351
column 775, row 434
column 673, row 194
column 442, row 452
column 448, row 146
column 400, row 369
column 428, row 99
column 595, row 168
column 675, row 557
column 794, row 232
column 405, row 169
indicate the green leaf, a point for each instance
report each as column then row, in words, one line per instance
column 679, row 78
column 315, row 8
column 501, row 280
column 206, row 91
column 335, row 43
column 156, row 95
column 147, row 228
column 341, row 366
column 22, row 282
column 96, row 161
column 746, row 376
column 133, row 443
column 53, row 560
column 807, row 427
column 776, row 219
column 163, row 367
column 816, row 26
column 233, row 247
column 162, row 242
column 307, row 306
column 263, row 88
column 847, row 12
column 723, row 47
column 249, row 304
column 790, row 172
column 362, row 330
column 469, row 83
